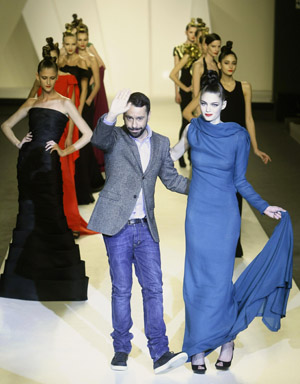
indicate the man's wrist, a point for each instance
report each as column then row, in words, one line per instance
column 111, row 118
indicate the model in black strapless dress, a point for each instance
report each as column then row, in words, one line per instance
column 43, row 261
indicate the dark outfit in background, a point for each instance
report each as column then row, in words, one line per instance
column 235, row 111
column 186, row 79
column 87, row 174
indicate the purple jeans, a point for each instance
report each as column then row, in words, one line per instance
column 135, row 245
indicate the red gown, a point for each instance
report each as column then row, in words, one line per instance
column 101, row 107
column 66, row 85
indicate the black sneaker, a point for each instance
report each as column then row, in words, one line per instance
column 169, row 361
column 119, row 361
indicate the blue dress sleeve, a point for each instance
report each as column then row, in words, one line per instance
column 240, row 181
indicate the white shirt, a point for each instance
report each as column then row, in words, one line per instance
column 144, row 148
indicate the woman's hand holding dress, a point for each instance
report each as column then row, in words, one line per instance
column 274, row 212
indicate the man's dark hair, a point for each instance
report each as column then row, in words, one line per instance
column 138, row 99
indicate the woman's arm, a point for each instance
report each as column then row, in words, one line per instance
column 13, row 120
column 82, row 126
column 96, row 76
column 83, row 94
column 34, row 89
column 247, row 91
column 198, row 70
column 69, row 138
column 177, row 94
column 174, row 75
column 84, row 86
column 181, row 147
column 94, row 52
column 190, row 108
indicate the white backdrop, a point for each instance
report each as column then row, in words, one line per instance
column 135, row 38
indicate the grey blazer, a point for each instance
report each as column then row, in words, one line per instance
column 125, row 178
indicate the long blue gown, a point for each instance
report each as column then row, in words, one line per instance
column 216, row 309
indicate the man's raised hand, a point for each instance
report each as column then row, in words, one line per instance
column 119, row 105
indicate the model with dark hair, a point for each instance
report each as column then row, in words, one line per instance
column 211, row 47
column 238, row 96
column 216, row 309
column 238, row 109
column 43, row 261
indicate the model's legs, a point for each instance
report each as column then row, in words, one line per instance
column 148, row 271
column 226, row 356
column 198, row 363
column 120, row 256
column 186, row 98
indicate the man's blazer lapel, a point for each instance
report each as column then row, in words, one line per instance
column 133, row 149
column 153, row 150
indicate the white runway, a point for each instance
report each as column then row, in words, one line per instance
column 69, row 342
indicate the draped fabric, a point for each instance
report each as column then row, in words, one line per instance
column 216, row 310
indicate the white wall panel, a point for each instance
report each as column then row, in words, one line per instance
column 250, row 25
column 42, row 21
column 125, row 25
column 168, row 22
column 135, row 38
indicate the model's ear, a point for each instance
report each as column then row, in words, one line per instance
column 219, row 65
column 149, row 115
column 224, row 104
column 37, row 77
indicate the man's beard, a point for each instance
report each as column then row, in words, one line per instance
column 137, row 132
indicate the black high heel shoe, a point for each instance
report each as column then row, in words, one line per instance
column 225, row 364
column 200, row 368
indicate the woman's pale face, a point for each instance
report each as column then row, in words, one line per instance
column 70, row 44
column 213, row 48
column 211, row 106
column 47, row 78
column 191, row 34
column 82, row 40
column 228, row 65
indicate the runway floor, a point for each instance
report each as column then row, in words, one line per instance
column 69, row 343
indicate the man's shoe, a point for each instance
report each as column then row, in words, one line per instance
column 119, row 361
column 169, row 361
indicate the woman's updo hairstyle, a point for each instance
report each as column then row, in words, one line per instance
column 210, row 83
column 50, row 47
column 82, row 28
column 69, row 31
column 47, row 63
column 226, row 50
column 75, row 22
column 212, row 37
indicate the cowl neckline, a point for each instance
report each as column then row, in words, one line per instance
column 216, row 130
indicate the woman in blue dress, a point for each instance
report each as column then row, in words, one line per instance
column 217, row 310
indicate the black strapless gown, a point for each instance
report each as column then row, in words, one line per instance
column 43, row 261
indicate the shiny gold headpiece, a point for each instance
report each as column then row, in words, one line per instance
column 197, row 23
